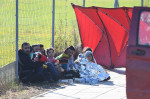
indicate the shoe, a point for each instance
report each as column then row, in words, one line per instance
column 107, row 79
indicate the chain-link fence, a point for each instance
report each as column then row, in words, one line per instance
column 146, row 3
column 35, row 23
column 7, row 31
column 7, row 39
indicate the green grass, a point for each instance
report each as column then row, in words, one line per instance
column 35, row 23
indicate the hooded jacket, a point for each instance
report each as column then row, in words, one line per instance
column 88, row 53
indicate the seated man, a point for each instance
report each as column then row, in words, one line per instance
column 27, row 67
column 66, row 60
column 38, row 56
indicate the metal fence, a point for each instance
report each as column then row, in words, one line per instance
column 48, row 22
column 7, row 40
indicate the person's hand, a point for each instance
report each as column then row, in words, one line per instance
column 36, row 59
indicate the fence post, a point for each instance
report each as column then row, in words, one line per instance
column 142, row 3
column 83, row 3
column 53, row 23
column 17, row 40
column 116, row 4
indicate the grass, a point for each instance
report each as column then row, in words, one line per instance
column 25, row 91
column 35, row 23
column 35, row 26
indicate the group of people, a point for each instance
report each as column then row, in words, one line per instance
column 36, row 65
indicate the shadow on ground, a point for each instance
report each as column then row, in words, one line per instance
column 119, row 70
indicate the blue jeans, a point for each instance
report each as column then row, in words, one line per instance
column 53, row 71
column 41, row 74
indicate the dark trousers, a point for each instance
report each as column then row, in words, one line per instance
column 53, row 71
column 50, row 73
column 41, row 74
column 31, row 77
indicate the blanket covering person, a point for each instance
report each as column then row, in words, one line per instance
column 89, row 71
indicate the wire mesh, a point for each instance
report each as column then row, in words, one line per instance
column 7, row 40
column 146, row 3
column 129, row 3
column 66, row 31
column 35, row 23
column 7, row 31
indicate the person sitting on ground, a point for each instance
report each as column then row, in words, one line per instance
column 82, row 56
column 37, row 54
column 48, row 66
column 66, row 60
column 27, row 68
column 91, row 71
column 42, row 50
column 50, row 58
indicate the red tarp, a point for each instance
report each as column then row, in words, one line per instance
column 106, row 31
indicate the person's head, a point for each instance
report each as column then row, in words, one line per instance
column 36, row 48
column 86, row 49
column 50, row 52
column 89, row 55
column 70, row 51
column 25, row 47
column 42, row 48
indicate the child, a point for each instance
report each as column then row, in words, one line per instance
column 50, row 58
column 91, row 71
column 81, row 57
column 89, row 56
column 96, row 70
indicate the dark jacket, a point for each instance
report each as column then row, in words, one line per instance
column 27, row 67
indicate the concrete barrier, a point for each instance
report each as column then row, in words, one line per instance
column 8, row 73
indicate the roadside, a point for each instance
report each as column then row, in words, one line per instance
column 23, row 91
column 115, row 88
column 115, row 85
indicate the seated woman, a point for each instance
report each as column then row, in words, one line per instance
column 91, row 72
column 82, row 56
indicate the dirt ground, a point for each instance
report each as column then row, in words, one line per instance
column 25, row 91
